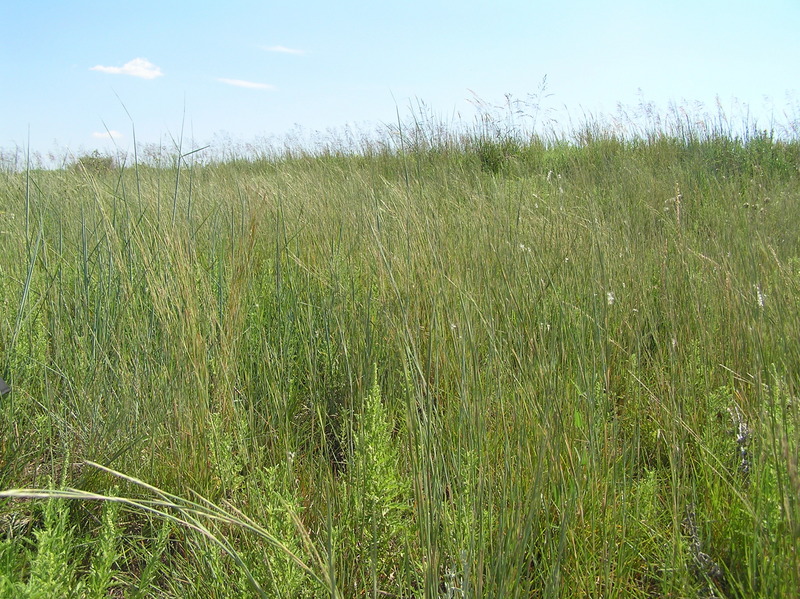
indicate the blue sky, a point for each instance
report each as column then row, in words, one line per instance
column 246, row 69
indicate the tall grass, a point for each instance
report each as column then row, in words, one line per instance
column 447, row 365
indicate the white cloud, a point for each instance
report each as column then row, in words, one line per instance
column 247, row 84
column 107, row 134
column 282, row 50
column 138, row 67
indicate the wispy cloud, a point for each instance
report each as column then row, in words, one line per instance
column 247, row 84
column 107, row 134
column 283, row 50
column 138, row 67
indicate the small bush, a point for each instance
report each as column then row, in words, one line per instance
column 494, row 154
column 95, row 163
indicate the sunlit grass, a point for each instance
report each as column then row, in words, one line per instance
column 465, row 366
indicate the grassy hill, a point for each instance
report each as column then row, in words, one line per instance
column 484, row 366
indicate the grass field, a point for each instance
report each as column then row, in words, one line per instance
column 443, row 366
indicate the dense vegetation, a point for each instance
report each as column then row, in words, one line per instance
column 489, row 366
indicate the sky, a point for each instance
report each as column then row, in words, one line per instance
column 78, row 76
